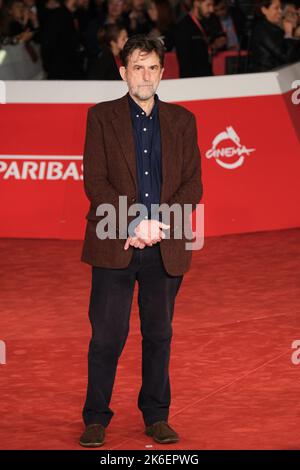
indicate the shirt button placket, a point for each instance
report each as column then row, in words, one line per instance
column 145, row 141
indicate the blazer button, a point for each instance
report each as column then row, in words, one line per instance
column 133, row 199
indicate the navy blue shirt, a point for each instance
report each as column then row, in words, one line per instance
column 147, row 137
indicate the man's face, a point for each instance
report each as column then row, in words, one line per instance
column 138, row 5
column 205, row 8
column 73, row 4
column 115, row 7
column 17, row 10
column 142, row 74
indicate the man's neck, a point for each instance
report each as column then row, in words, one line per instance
column 146, row 105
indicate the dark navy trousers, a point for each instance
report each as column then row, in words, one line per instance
column 109, row 313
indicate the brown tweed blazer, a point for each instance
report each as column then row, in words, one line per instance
column 109, row 168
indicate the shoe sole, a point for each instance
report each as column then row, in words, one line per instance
column 92, row 444
column 164, row 441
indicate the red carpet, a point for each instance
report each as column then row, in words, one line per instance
column 233, row 383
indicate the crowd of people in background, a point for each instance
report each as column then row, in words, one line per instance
column 82, row 39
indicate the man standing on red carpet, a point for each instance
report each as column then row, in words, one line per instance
column 144, row 150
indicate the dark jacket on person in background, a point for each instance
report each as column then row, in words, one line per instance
column 60, row 46
column 103, row 67
column 191, row 50
column 269, row 47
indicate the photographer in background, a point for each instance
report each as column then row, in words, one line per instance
column 105, row 66
column 18, row 24
column 290, row 13
column 233, row 23
column 61, row 49
column 272, row 43
column 192, row 42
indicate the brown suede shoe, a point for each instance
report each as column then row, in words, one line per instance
column 93, row 436
column 162, row 432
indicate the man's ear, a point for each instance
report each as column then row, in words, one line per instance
column 122, row 71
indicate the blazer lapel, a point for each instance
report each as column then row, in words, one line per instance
column 122, row 126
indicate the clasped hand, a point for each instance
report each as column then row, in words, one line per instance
column 148, row 232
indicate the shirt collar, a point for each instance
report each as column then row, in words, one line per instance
column 136, row 110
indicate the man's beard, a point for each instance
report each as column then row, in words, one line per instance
column 144, row 93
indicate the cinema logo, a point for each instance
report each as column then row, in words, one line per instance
column 229, row 156
column 2, row 352
column 45, row 167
